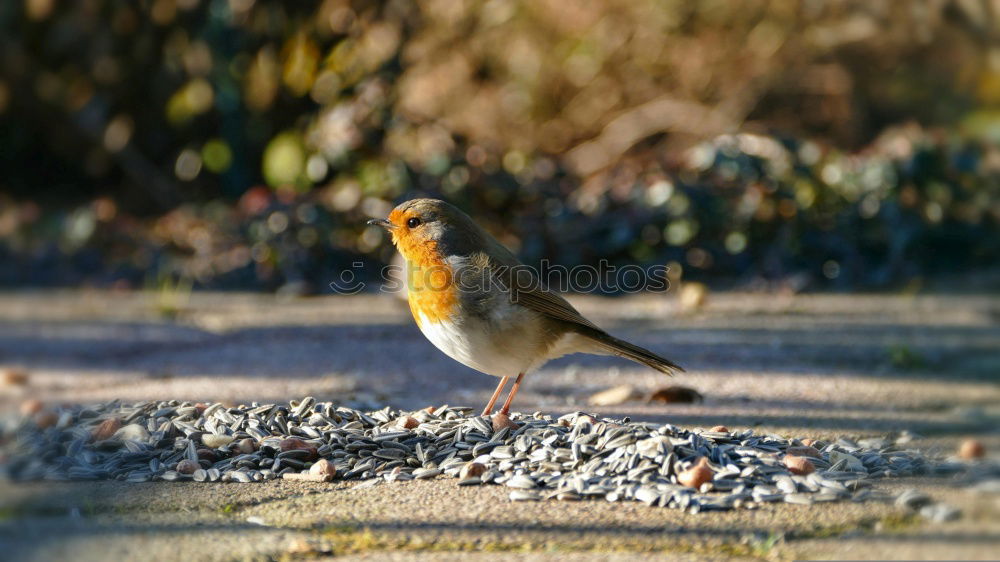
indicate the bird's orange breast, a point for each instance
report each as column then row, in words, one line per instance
column 430, row 288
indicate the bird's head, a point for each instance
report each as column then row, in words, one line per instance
column 418, row 226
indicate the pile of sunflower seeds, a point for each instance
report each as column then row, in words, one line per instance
column 573, row 457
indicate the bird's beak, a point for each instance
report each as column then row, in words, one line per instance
column 383, row 223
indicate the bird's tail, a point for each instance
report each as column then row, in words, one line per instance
column 614, row 346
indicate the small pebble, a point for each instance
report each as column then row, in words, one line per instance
column 693, row 296
column 501, row 421
column 293, row 444
column 697, row 475
column 971, row 449
column 31, row 407
column 324, row 468
column 407, row 422
column 614, row 396
column 13, row 377
column 106, row 429
column 720, row 429
column 804, row 451
column 187, row 466
column 296, row 444
column 306, row 476
column 676, row 395
column 471, row 470
column 45, row 419
column 798, row 465
column 246, row 446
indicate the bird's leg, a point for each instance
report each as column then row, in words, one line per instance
column 496, row 394
column 510, row 397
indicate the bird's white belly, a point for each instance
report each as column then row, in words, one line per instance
column 474, row 345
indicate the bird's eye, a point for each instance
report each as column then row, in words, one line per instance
column 413, row 222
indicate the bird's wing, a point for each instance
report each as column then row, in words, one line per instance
column 524, row 287
column 550, row 304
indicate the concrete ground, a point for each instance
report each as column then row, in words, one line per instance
column 804, row 366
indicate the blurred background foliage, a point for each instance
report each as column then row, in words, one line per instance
column 243, row 143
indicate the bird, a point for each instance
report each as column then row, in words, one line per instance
column 476, row 302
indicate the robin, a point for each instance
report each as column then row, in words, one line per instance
column 479, row 305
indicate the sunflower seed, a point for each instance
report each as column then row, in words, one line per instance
column 524, row 495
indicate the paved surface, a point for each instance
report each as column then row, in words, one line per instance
column 815, row 366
